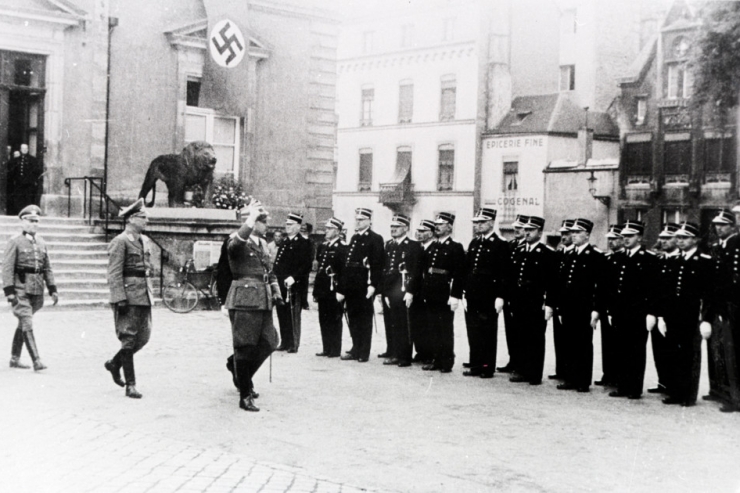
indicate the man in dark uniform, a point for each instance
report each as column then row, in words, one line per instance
column 24, row 175
column 680, row 305
column 512, row 335
column 419, row 324
column 530, row 287
column 292, row 266
column 26, row 268
column 253, row 291
column 330, row 256
column 398, row 287
column 667, row 265
column 485, row 274
column 578, row 305
column 724, row 345
column 609, row 349
column 631, row 291
column 131, row 296
column 358, row 284
column 559, row 337
column 442, row 288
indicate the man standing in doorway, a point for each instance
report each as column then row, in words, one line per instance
column 24, row 175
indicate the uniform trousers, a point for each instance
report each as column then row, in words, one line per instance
column 530, row 323
column 724, row 353
column 682, row 353
column 661, row 356
column 441, row 328
column 420, row 333
column 481, row 321
column 561, row 346
column 579, row 352
column 289, row 318
column 330, row 321
column 632, row 347
column 254, row 338
column 513, row 338
column 360, row 317
column 26, row 306
column 396, row 317
column 133, row 328
column 609, row 352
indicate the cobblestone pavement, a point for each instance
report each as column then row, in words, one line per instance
column 329, row 425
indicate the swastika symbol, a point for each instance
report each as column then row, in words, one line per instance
column 227, row 44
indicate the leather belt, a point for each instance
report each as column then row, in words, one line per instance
column 264, row 278
column 27, row 270
column 134, row 273
column 435, row 270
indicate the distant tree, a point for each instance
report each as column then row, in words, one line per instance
column 716, row 63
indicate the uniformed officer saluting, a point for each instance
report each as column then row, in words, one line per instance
column 26, row 267
column 578, row 305
column 680, row 305
column 633, row 285
column 486, row 271
column 131, row 297
column 358, row 283
column 330, row 257
column 399, row 285
column 531, row 283
column 292, row 266
column 442, row 289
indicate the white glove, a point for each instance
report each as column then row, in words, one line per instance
column 340, row 297
column 594, row 319
column 661, row 326
column 560, row 318
column 650, row 322
column 499, row 305
column 453, row 302
column 548, row 312
column 408, row 298
column 289, row 281
column 387, row 301
column 464, row 303
column 610, row 319
column 706, row 330
column 370, row 292
column 224, row 311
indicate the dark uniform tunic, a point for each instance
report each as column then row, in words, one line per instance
column 293, row 259
column 559, row 337
column 420, row 333
column 129, row 269
column 443, row 278
column 609, row 348
column 683, row 302
column 26, row 267
column 632, row 286
column 724, row 345
column 330, row 256
column 513, row 343
column 405, row 255
column 532, row 279
column 576, row 297
column 362, row 268
column 486, row 270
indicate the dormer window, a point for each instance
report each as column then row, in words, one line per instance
column 520, row 117
column 681, row 47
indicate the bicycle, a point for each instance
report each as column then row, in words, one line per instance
column 183, row 296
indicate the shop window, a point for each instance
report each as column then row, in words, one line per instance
column 446, row 175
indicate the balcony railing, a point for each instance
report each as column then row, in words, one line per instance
column 677, row 178
column 718, row 178
column 638, row 179
column 397, row 193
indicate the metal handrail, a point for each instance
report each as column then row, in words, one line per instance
column 104, row 198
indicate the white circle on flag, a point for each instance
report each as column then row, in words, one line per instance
column 226, row 44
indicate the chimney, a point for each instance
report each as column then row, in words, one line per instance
column 585, row 142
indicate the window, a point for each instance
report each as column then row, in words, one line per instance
column 677, row 157
column 366, row 170
column 679, row 84
column 407, row 35
column 193, row 92
column 447, row 104
column 511, row 175
column 367, row 42
column 641, row 110
column 405, row 101
column 368, row 95
column 638, row 158
column 446, row 167
column 403, row 163
column 567, row 78
column 672, row 216
column 222, row 132
column 448, row 29
column 681, row 47
column 719, row 158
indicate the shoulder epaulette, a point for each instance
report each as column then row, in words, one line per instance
column 597, row 250
column 704, row 255
column 650, row 252
column 549, row 247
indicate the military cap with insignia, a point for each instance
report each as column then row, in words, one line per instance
column 363, row 213
column 724, row 217
column 294, row 218
column 565, row 226
column 485, row 214
column 335, row 223
column 426, row 225
column 534, row 222
column 582, row 224
column 669, row 230
column 30, row 212
column 688, row 229
column 615, row 231
column 136, row 209
column 400, row 220
column 445, row 218
column 633, row 228
column 520, row 221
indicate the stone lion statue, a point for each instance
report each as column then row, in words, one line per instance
column 193, row 166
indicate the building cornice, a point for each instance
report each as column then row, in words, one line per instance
column 408, row 56
column 42, row 16
column 601, row 137
column 273, row 7
column 400, row 126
